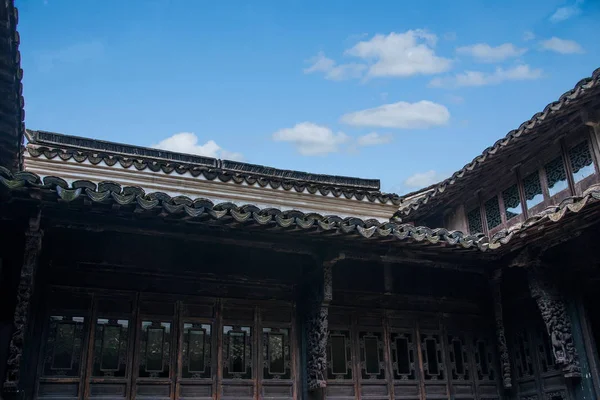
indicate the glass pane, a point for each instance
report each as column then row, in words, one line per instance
column 556, row 176
column 512, row 202
column 492, row 213
column 533, row 190
column 111, row 346
column 458, row 356
column 237, row 352
column 371, row 355
column 432, row 361
column 110, row 359
column 581, row 161
column 276, row 359
column 483, row 359
column 402, row 356
column 62, row 353
column 154, row 350
column 338, row 354
column 196, row 350
column 64, row 346
column 474, row 221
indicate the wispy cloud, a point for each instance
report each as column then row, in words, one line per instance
column 478, row 78
column 528, row 36
column 373, row 139
column 74, row 54
column 392, row 55
column 562, row 46
column 311, row 139
column 401, row 115
column 567, row 12
column 423, row 179
column 332, row 70
column 187, row 142
column 483, row 52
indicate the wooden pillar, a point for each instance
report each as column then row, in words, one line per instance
column 318, row 296
column 558, row 322
column 496, row 286
column 22, row 323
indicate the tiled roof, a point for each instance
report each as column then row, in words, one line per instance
column 52, row 145
column 583, row 90
column 136, row 200
column 11, row 89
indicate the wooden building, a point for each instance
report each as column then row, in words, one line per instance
column 136, row 273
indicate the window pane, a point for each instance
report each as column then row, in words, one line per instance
column 432, row 362
column 155, row 343
column 154, row 350
column 474, row 221
column 196, row 350
column 556, row 176
column 64, row 346
column 402, row 356
column 483, row 360
column 581, row 161
column 237, row 363
column 371, row 355
column 458, row 356
column 237, row 352
column 512, row 202
column 338, row 354
column 110, row 359
column 276, row 359
column 492, row 213
column 533, row 190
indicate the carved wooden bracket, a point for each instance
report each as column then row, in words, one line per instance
column 319, row 295
column 496, row 286
column 33, row 245
column 558, row 323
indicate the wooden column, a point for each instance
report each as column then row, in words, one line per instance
column 558, row 323
column 33, row 245
column 318, row 296
column 496, row 286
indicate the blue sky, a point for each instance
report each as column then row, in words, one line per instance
column 404, row 91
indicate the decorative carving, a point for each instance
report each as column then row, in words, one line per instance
column 496, row 286
column 557, row 321
column 319, row 295
column 33, row 245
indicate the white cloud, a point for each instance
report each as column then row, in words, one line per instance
column 483, row 52
column 401, row 54
column 423, row 179
column 373, row 139
column 564, row 13
column 402, row 115
column 561, row 46
column 450, row 36
column 187, row 142
column 478, row 78
column 454, row 99
column 333, row 71
column 528, row 35
column 311, row 139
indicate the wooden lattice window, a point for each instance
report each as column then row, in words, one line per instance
column 556, row 176
column 484, row 364
column 492, row 213
column 339, row 355
column 372, row 365
column 196, row 351
column 276, row 353
column 582, row 163
column 403, row 356
column 433, row 361
column 512, row 202
column 533, row 190
column 63, row 346
column 110, row 347
column 237, row 357
column 522, row 351
column 459, row 363
column 474, row 221
column 155, row 346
